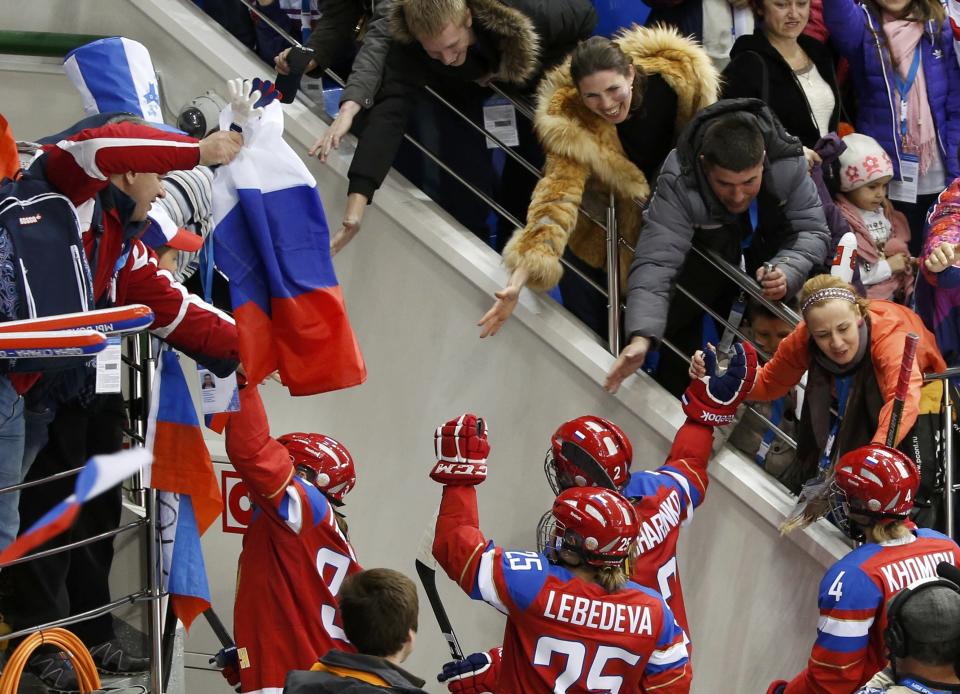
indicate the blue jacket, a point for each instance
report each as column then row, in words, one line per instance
column 857, row 34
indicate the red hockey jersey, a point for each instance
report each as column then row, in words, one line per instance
column 665, row 499
column 853, row 596
column 563, row 634
column 293, row 561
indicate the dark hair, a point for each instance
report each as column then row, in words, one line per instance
column 733, row 143
column 918, row 10
column 599, row 53
column 379, row 607
column 757, row 310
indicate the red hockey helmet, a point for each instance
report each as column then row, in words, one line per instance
column 874, row 481
column 323, row 462
column 602, row 440
column 598, row 524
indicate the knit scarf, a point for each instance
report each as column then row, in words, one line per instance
column 903, row 37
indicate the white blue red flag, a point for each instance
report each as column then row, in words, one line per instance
column 190, row 497
column 271, row 240
column 102, row 472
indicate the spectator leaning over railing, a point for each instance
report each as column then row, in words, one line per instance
column 870, row 501
column 111, row 174
column 736, row 183
column 851, row 350
column 607, row 119
column 506, row 41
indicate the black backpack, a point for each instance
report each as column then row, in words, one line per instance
column 43, row 267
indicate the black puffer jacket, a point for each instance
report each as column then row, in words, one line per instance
column 758, row 71
column 517, row 40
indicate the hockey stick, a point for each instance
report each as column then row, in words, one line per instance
column 41, row 345
column 111, row 321
column 427, row 571
column 585, row 462
column 903, row 385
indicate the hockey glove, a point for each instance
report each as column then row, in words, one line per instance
column 475, row 674
column 713, row 399
column 268, row 92
column 462, row 448
column 229, row 663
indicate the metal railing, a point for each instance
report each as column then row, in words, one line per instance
column 139, row 377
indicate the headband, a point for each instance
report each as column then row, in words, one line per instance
column 827, row 294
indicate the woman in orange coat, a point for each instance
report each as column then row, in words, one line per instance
column 851, row 350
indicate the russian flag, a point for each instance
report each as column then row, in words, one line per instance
column 271, row 240
column 102, row 472
column 191, row 498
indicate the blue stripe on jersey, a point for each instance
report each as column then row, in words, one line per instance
column 318, row 502
column 283, row 508
column 649, row 483
column 928, row 532
column 525, row 572
column 670, row 629
column 654, row 669
column 841, row 644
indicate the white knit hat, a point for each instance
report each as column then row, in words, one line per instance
column 863, row 162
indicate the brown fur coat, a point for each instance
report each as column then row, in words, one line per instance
column 585, row 160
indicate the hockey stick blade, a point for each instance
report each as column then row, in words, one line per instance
column 110, row 321
column 426, row 567
column 41, row 345
column 903, row 386
column 590, row 467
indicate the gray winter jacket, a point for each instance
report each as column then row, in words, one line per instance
column 792, row 231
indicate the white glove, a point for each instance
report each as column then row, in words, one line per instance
column 242, row 101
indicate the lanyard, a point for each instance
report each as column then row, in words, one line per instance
column 206, row 264
column 754, row 213
column 842, row 384
column 914, row 686
column 776, row 416
column 903, row 89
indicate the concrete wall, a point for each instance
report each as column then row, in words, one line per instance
column 415, row 284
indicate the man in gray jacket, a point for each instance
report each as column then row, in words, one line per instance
column 736, row 184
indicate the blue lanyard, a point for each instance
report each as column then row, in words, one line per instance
column 776, row 416
column 903, row 89
column 206, row 263
column 915, row 686
column 754, row 213
column 842, row 384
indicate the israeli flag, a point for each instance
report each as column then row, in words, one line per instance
column 115, row 74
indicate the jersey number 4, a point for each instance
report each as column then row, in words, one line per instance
column 576, row 653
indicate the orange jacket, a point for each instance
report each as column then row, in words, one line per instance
column 9, row 159
column 889, row 325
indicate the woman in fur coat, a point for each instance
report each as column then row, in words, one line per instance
column 607, row 118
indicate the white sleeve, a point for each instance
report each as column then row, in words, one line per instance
column 876, row 273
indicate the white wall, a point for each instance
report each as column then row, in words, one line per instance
column 415, row 285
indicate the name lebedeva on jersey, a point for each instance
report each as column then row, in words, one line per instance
column 655, row 529
column 900, row 574
column 597, row 614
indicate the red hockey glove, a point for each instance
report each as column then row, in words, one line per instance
column 777, row 687
column 713, row 399
column 461, row 447
column 475, row 674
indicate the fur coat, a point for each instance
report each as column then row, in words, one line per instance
column 586, row 161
